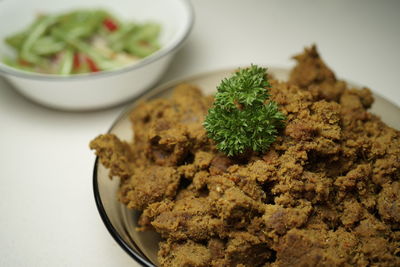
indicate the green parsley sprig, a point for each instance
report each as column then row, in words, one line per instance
column 242, row 117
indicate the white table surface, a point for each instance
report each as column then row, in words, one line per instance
column 47, row 213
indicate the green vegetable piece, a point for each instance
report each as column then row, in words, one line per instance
column 16, row 41
column 47, row 45
column 80, row 23
column 142, row 48
column 119, row 38
column 146, row 32
column 242, row 117
column 121, row 33
column 143, row 41
column 66, row 62
column 37, row 30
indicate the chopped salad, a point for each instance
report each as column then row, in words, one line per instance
column 81, row 41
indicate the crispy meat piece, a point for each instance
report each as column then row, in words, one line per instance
column 326, row 193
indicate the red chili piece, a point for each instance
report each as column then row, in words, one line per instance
column 77, row 61
column 24, row 62
column 110, row 24
column 144, row 43
column 92, row 66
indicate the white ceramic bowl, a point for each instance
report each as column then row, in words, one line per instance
column 103, row 89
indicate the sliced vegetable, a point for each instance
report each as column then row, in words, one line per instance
column 16, row 41
column 36, row 31
column 141, row 48
column 67, row 62
column 147, row 32
column 47, row 45
column 81, row 41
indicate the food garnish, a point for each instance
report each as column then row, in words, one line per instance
column 242, row 117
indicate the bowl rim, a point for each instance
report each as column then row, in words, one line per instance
column 171, row 47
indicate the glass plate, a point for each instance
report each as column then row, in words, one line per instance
column 120, row 221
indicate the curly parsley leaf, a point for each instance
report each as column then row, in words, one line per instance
column 242, row 117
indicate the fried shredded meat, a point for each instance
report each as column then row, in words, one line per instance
column 326, row 193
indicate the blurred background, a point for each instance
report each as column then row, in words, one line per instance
column 47, row 212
